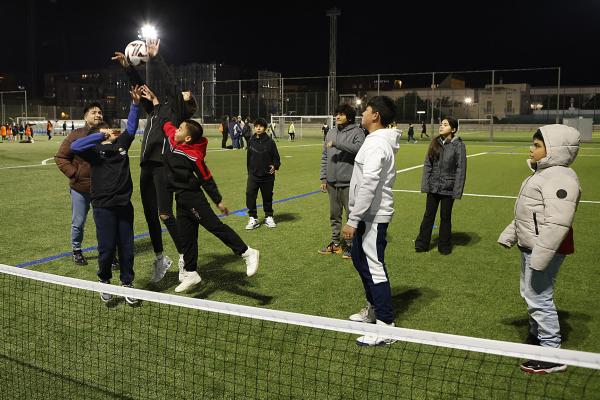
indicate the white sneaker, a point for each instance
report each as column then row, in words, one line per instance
column 368, row 340
column 270, row 222
column 251, row 256
column 105, row 297
column 252, row 223
column 190, row 279
column 181, row 264
column 160, row 268
column 366, row 315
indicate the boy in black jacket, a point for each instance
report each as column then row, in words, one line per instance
column 187, row 175
column 156, row 200
column 262, row 162
column 111, row 195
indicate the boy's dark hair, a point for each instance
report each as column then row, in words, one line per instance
column 190, row 106
column 194, row 129
column 93, row 104
column 262, row 122
column 538, row 135
column 348, row 111
column 385, row 107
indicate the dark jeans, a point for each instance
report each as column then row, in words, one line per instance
column 193, row 210
column 157, row 200
column 444, row 240
column 114, row 229
column 266, row 189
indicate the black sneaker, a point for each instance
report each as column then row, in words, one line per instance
column 78, row 258
column 105, row 297
column 131, row 300
column 533, row 340
column 542, row 367
column 347, row 254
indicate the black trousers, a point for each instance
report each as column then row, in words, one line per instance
column 224, row 140
column 193, row 210
column 444, row 240
column 157, row 200
column 266, row 189
column 114, row 229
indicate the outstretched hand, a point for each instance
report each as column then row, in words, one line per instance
column 149, row 94
column 120, row 57
column 152, row 46
column 223, row 208
column 136, row 93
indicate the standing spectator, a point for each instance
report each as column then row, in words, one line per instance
column 291, row 131
column 21, row 130
column 272, row 130
column 247, row 132
column 542, row 229
column 424, row 130
column 371, row 209
column 49, row 129
column 411, row 133
column 262, row 162
column 235, row 132
column 337, row 160
column 72, row 126
column 77, row 170
column 325, row 129
column 29, row 133
column 64, row 128
column 3, row 132
column 224, row 129
column 444, row 173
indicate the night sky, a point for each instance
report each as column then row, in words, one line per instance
column 293, row 37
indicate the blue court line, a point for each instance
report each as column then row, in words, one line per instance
column 241, row 212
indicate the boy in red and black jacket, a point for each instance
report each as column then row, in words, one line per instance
column 187, row 175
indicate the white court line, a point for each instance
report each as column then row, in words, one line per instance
column 525, row 154
column 421, row 165
column 494, row 196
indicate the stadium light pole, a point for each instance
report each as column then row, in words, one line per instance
column 148, row 31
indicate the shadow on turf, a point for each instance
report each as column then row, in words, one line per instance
column 460, row 239
column 411, row 300
column 215, row 276
column 566, row 319
column 285, row 217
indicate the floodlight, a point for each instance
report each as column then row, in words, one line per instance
column 149, row 32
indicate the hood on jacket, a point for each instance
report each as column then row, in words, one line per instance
column 392, row 136
column 562, row 145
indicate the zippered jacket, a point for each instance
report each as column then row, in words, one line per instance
column 547, row 201
column 446, row 175
column 337, row 161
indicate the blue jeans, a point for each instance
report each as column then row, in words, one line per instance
column 80, row 205
column 537, row 288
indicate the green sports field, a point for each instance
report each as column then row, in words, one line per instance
column 472, row 292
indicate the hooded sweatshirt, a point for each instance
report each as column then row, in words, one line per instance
column 547, row 201
column 371, row 198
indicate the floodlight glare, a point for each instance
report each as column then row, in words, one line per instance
column 149, row 32
column 358, row 102
column 468, row 100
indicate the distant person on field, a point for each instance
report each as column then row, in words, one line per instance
column 325, row 129
column 77, row 170
column 292, row 131
column 3, row 132
column 342, row 143
column 224, row 129
column 272, row 130
column 411, row 133
column 371, row 209
column 444, row 174
column 235, row 131
column 247, row 131
column 542, row 229
column 64, row 128
column 72, row 127
column 111, row 189
column 262, row 161
column 424, row 130
column 49, row 129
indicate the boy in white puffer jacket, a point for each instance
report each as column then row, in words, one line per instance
column 544, row 213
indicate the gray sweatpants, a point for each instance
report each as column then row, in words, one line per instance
column 338, row 201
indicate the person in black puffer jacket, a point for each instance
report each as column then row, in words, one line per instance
column 444, row 173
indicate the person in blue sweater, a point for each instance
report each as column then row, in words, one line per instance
column 111, row 189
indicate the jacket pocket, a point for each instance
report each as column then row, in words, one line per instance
column 537, row 232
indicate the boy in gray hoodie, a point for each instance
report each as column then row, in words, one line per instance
column 541, row 228
column 371, row 207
